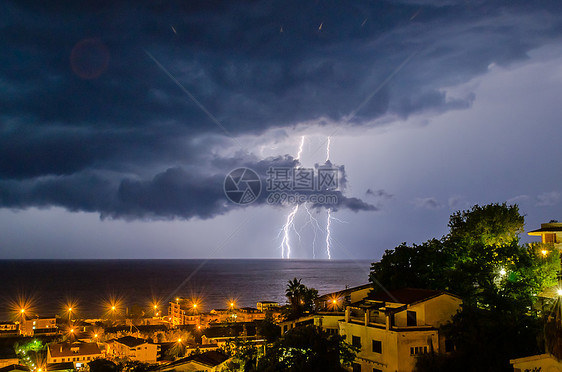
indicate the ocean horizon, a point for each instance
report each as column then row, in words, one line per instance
column 49, row 285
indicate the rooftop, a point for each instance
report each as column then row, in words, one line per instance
column 209, row 358
column 66, row 349
column 405, row 295
column 131, row 341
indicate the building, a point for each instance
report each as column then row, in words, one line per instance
column 264, row 306
column 8, row 356
column 243, row 314
column 14, row 368
column 134, row 348
column 550, row 233
column 8, row 329
column 542, row 362
column 61, row 367
column 209, row 361
column 338, row 300
column 392, row 328
column 79, row 353
column 183, row 312
column 33, row 326
column 222, row 334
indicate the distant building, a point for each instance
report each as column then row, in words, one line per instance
column 222, row 334
column 392, row 328
column 79, row 353
column 38, row 326
column 134, row 348
column 550, row 232
column 338, row 300
column 264, row 306
column 183, row 312
column 8, row 329
column 243, row 314
column 209, row 361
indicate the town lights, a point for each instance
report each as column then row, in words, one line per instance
column 502, row 271
column 559, row 291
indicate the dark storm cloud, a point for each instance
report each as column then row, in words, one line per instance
column 176, row 192
column 94, row 131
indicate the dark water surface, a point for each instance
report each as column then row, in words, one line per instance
column 91, row 283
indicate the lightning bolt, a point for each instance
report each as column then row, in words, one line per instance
column 315, row 228
column 329, row 234
column 328, row 143
column 299, row 153
column 287, row 227
column 289, row 223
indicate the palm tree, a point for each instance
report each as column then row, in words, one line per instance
column 294, row 292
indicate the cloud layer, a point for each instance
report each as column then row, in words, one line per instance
column 90, row 123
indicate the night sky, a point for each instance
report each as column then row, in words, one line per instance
column 119, row 121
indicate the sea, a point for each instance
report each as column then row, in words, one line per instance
column 48, row 287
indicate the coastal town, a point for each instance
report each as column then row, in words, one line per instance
column 372, row 327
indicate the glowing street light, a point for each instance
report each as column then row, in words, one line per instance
column 544, row 252
column 503, row 272
column 559, row 291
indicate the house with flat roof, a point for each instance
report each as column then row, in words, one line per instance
column 38, row 325
column 392, row 328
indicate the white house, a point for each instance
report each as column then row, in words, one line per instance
column 393, row 327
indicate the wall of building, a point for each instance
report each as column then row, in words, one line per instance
column 396, row 353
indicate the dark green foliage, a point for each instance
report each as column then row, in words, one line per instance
column 307, row 349
column 102, row 365
column 269, row 330
column 498, row 279
column 301, row 298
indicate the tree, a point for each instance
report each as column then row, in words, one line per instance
column 499, row 281
column 310, row 349
column 102, row 365
column 301, row 298
column 268, row 329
